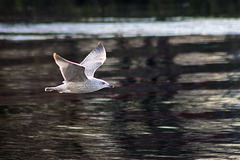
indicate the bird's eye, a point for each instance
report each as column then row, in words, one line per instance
column 102, row 82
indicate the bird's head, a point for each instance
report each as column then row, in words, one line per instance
column 105, row 84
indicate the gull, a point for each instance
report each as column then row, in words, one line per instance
column 79, row 77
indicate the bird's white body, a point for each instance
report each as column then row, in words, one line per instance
column 79, row 78
column 88, row 86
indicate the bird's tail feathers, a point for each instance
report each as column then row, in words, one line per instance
column 50, row 89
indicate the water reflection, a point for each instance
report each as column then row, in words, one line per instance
column 70, row 30
column 173, row 100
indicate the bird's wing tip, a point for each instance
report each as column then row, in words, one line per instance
column 100, row 44
column 100, row 47
column 55, row 55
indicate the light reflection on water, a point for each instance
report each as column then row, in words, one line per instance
column 174, row 101
column 61, row 30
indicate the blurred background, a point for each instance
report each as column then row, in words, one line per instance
column 81, row 10
column 175, row 68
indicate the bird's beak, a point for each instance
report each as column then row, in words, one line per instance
column 111, row 86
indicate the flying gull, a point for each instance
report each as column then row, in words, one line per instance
column 79, row 78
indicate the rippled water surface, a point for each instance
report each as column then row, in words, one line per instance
column 174, row 98
column 175, row 27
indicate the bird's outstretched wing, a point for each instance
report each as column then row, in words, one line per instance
column 94, row 60
column 71, row 72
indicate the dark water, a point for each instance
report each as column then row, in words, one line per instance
column 85, row 10
column 174, row 98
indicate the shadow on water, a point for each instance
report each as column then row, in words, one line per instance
column 174, row 98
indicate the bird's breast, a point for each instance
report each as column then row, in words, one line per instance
column 77, row 87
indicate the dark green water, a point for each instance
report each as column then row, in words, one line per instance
column 174, row 98
column 85, row 10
